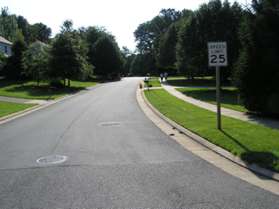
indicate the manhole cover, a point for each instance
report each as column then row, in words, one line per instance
column 52, row 159
column 110, row 124
column 204, row 206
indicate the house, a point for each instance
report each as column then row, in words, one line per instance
column 5, row 46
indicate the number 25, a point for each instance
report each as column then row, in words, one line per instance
column 221, row 58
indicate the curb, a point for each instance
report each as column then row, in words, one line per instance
column 218, row 150
column 17, row 114
column 27, row 111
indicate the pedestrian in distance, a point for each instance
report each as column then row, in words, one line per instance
column 161, row 77
column 166, row 76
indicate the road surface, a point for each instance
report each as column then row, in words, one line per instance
column 116, row 158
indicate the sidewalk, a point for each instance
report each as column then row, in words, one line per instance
column 227, row 112
column 22, row 101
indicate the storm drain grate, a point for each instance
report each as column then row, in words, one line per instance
column 107, row 124
column 52, row 159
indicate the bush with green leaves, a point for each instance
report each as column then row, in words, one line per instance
column 35, row 61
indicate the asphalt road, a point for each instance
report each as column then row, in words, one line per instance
column 117, row 158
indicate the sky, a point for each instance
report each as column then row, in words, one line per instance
column 119, row 17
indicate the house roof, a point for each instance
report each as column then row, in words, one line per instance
column 5, row 41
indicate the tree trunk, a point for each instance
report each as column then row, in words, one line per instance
column 69, row 83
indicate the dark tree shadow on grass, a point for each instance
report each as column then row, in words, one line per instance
column 5, row 83
column 198, row 81
column 265, row 160
column 190, row 82
column 44, row 90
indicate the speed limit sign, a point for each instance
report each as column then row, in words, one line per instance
column 217, row 57
column 217, row 54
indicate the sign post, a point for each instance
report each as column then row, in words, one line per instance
column 217, row 57
column 218, row 98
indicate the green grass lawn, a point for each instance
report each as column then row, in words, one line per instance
column 83, row 84
column 154, row 82
column 7, row 108
column 198, row 81
column 253, row 143
column 229, row 97
column 176, row 78
column 30, row 90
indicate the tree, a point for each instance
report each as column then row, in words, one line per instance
column 68, row 58
column 35, row 61
column 256, row 72
column 24, row 27
column 14, row 67
column 127, row 67
column 148, row 34
column 127, row 56
column 142, row 64
column 8, row 25
column 106, row 57
column 67, row 26
column 145, row 37
column 91, row 35
column 125, row 51
column 166, row 57
column 209, row 23
column 188, row 49
column 39, row 32
column 11, row 24
column 3, row 60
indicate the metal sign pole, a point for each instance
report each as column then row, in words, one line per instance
column 218, row 100
column 217, row 57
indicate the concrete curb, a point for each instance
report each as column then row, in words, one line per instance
column 218, row 150
column 14, row 115
column 27, row 111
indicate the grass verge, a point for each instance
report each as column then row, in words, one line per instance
column 7, row 108
column 30, row 90
column 181, row 81
column 229, row 97
column 252, row 143
column 154, row 82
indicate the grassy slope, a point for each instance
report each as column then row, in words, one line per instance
column 198, row 81
column 30, row 90
column 228, row 97
column 7, row 108
column 154, row 82
column 253, row 143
